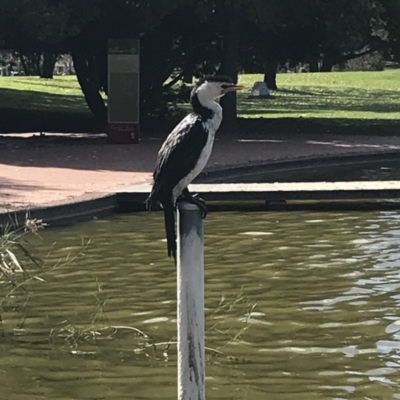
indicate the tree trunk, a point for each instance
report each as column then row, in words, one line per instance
column 24, row 65
column 313, row 64
column 327, row 64
column 86, row 74
column 36, row 61
column 270, row 74
column 188, row 77
column 230, row 56
column 30, row 63
column 49, row 62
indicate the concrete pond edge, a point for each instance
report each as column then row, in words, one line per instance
column 101, row 204
column 234, row 172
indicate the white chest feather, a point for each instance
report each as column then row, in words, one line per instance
column 211, row 126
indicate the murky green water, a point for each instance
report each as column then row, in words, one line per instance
column 326, row 324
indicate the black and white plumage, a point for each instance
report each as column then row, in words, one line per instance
column 187, row 149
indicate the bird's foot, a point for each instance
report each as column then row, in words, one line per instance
column 195, row 199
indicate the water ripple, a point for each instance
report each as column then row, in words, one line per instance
column 302, row 305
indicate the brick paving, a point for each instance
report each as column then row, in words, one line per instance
column 54, row 169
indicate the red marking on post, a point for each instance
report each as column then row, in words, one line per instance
column 123, row 132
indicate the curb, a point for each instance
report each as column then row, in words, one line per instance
column 301, row 163
column 86, row 208
column 66, row 213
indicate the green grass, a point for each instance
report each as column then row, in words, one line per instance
column 309, row 102
column 338, row 95
column 61, row 94
column 353, row 95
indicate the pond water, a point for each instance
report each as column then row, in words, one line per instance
column 302, row 305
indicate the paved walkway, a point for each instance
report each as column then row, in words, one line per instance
column 54, row 169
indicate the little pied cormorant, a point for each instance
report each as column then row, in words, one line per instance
column 186, row 151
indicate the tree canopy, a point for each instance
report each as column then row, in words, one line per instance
column 185, row 38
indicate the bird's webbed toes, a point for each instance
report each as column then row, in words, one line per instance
column 201, row 204
column 194, row 199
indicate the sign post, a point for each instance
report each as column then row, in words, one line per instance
column 123, row 91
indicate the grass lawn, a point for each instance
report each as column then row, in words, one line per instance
column 31, row 104
column 61, row 94
column 370, row 100
column 338, row 95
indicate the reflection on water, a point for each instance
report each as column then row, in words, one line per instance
column 326, row 324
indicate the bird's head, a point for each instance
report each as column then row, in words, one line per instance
column 214, row 87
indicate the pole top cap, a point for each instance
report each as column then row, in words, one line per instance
column 185, row 205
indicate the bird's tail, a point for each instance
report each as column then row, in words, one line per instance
column 170, row 227
column 151, row 201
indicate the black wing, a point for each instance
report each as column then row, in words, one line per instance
column 179, row 154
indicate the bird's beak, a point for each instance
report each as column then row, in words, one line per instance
column 233, row 88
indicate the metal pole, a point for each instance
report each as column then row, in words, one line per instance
column 190, row 264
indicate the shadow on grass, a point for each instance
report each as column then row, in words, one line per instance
column 48, row 83
column 322, row 100
column 298, row 92
column 36, row 111
column 43, row 101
